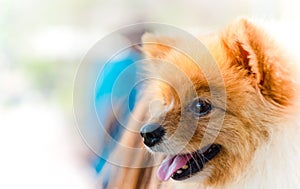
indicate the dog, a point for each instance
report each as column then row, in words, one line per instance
column 257, row 142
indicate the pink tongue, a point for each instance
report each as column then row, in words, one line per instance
column 170, row 165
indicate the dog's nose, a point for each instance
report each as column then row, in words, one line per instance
column 152, row 134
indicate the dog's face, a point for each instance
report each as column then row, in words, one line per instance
column 259, row 91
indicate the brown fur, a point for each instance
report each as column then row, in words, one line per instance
column 259, row 92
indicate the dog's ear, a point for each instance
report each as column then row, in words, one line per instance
column 252, row 51
column 155, row 46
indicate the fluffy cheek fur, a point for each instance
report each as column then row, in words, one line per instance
column 238, row 147
column 259, row 92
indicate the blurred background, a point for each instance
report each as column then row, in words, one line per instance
column 41, row 46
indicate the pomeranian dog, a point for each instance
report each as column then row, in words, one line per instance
column 257, row 142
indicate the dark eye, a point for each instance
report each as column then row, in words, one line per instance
column 200, row 107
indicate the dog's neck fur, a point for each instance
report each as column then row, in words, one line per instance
column 276, row 164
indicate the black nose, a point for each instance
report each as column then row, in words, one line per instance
column 152, row 134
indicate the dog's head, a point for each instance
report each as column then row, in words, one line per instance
column 259, row 91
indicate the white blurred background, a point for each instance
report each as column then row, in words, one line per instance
column 41, row 45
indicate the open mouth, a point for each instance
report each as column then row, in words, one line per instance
column 183, row 166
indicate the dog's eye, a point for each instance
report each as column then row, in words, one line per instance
column 200, row 107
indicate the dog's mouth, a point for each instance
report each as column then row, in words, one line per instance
column 183, row 166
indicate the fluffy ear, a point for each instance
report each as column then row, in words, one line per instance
column 252, row 51
column 155, row 46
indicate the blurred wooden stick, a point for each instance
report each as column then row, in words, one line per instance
column 127, row 177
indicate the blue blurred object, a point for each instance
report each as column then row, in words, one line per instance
column 116, row 82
